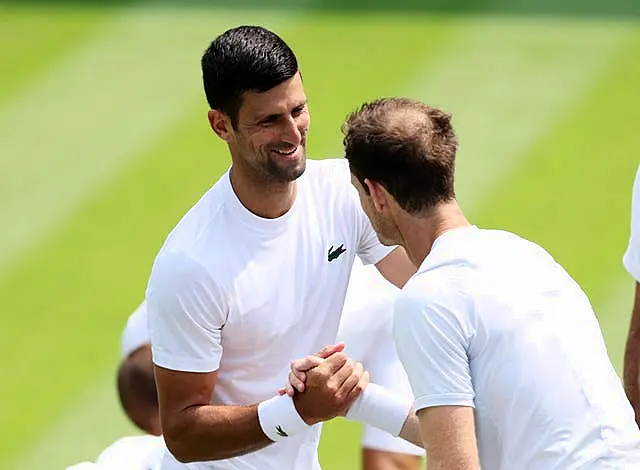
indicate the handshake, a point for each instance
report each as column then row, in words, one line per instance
column 329, row 384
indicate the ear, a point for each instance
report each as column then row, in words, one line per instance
column 378, row 194
column 220, row 124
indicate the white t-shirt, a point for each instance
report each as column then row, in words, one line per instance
column 631, row 257
column 366, row 328
column 243, row 295
column 143, row 452
column 491, row 321
column 136, row 332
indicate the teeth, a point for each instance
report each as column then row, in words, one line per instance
column 287, row 153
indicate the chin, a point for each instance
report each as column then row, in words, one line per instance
column 290, row 172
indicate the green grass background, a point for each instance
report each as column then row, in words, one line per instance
column 104, row 144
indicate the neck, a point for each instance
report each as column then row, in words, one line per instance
column 265, row 199
column 419, row 232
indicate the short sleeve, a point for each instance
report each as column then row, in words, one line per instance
column 432, row 344
column 631, row 258
column 369, row 248
column 186, row 313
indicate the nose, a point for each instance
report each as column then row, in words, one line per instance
column 294, row 132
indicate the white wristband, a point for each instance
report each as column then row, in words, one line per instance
column 279, row 418
column 381, row 408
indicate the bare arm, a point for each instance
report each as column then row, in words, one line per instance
column 195, row 430
column 396, row 267
column 449, row 436
column 411, row 430
column 374, row 459
column 632, row 358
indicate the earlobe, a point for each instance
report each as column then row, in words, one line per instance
column 219, row 124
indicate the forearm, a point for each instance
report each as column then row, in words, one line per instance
column 210, row 432
column 411, row 430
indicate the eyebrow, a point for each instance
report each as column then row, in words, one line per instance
column 275, row 116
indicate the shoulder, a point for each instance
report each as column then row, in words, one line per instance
column 434, row 293
column 177, row 271
column 200, row 221
column 135, row 333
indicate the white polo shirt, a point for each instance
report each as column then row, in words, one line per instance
column 243, row 295
column 491, row 321
column 631, row 257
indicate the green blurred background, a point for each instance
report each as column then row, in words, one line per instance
column 104, row 144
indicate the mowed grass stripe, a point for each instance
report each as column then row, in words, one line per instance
column 126, row 89
column 93, row 112
column 319, row 148
column 507, row 81
column 104, row 255
column 33, row 40
column 572, row 194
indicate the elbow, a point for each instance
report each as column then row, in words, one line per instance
column 178, row 448
column 178, row 442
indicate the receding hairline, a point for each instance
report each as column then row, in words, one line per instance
column 400, row 117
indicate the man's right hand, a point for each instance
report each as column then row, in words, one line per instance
column 330, row 388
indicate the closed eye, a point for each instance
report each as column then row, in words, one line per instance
column 297, row 111
column 270, row 119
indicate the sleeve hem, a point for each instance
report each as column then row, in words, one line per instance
column 378, row 255
column 184, row 364
column 447, row 399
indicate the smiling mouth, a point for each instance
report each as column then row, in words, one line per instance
column 286, row 153
column 289, row 152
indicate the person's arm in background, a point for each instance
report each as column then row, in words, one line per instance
column 631, row 262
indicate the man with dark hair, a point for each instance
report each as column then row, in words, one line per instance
column 503, row 351
column 255, row 275
column 137, row 389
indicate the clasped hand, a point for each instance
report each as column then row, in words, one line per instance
column 325, row 384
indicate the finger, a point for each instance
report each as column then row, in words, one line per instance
column 329, row 350
column 298, row 374
column 358, row 389
column 290, row 391
column 306, row 363
column 295, row 382
column 333, row 363
column 349, row 381
column 348, row 370
column 282, row 391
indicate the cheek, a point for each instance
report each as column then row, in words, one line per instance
column 304, row 121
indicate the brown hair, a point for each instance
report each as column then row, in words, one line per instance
column 407, row 147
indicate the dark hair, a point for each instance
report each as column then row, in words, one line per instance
column 407, row 147
column 243, row 59
column 137, row 387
